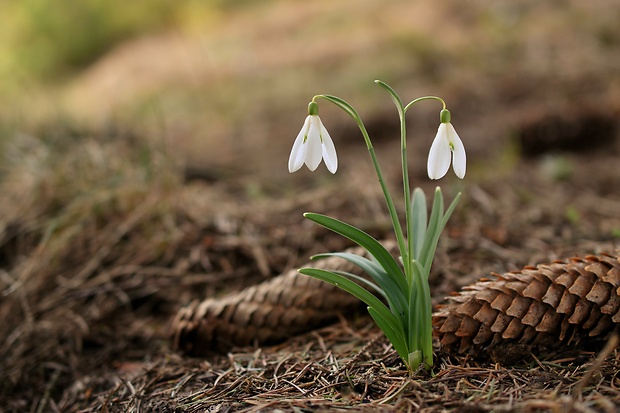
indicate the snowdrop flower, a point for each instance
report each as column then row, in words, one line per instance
column 447, row 147
column 312, row 144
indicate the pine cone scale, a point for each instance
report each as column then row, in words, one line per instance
column 599, row 294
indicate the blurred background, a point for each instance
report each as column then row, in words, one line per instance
column 221, row 87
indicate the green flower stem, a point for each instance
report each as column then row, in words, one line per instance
column 371, row 150
column 413, row 102
column 410, row 221
column 406, row 257
column 405, row 170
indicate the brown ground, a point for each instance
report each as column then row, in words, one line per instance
column 103, row 237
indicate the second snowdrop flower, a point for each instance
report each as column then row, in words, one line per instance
column 447, row 147
column 312, row 144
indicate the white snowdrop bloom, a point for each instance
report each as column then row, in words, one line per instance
column 312, row 144
column 446, row 148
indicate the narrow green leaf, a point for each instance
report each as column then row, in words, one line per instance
column 362, row 281
column 393, row 95
column 449, row 211
column 437, row 228
column 368, row 265
column 425, row 318
column 413, row 314
column 419, row 221
column 366, row 241
column 393, row 293
column 432, row 236
column 394, row 336
column 344, row 105
column 355, row 290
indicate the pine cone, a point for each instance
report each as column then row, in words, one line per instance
column 272, row 311
column 567, row 302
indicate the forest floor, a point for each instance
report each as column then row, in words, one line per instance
column 105, row 236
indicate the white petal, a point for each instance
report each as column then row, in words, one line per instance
column 459, row 158
column 439, row 156
column 329, row 150
column 298, row 153
column 314, row 153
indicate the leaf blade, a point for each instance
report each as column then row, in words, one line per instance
column 366, row 241
column 419, row 221
column 394, row 295
column 357, row 291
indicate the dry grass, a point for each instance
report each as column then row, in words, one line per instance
column 347, row 367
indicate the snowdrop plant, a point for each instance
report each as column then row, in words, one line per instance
column 397, row 293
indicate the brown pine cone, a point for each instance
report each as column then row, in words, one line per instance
column 272, row 311
column 564, row 302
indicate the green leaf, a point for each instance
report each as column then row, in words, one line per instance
column 436, row 225
column 413, row 336
column 392, row 291
column 418, row 220
column 393, row 95
column 395, row 336
column 362, row 281
column 342, row 104
column 450, row 210
column 425, row 317
column 432, row 233
column 357, row 291
column 420, row 329
column 364, row 240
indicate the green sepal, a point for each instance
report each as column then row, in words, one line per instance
column 313, row 108
column 444, row 116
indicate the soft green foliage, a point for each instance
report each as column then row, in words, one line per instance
column 572, row 215
column 407, row 318
column 44, row 39
column 61, row 37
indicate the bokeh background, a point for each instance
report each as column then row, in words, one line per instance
column 224, row 85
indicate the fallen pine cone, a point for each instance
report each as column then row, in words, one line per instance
column 269, row 312
column 563, row 302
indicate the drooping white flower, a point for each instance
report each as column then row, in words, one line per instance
column 447, row 147
column 312, row 144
